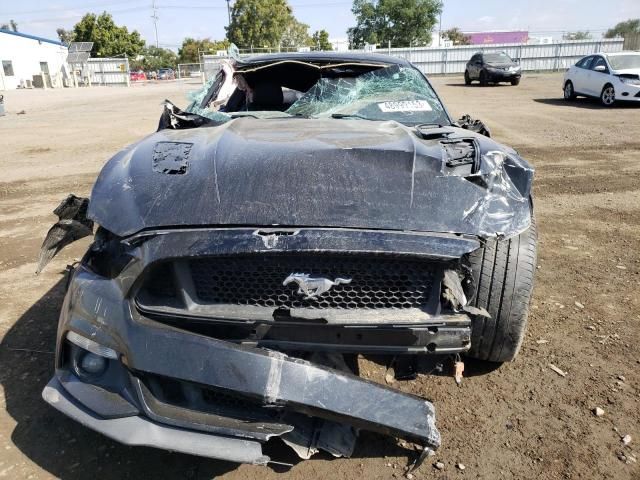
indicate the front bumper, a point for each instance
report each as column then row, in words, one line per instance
column 139, row 431
column 276, row 394
column 503, row 75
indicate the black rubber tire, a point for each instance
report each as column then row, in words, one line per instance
column 569, row 92
column 467, row 78
column 515, row 81
column 503, row 273
column 484, row 80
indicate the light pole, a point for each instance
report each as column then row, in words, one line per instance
column 155, row 20
column 229, row 11
column 440, row 24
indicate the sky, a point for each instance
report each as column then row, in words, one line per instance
column 207, row 18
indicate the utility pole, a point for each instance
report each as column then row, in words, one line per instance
column 155, row 20
column 229, row 11
column 440, row 24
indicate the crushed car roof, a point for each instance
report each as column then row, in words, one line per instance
column 323, row 57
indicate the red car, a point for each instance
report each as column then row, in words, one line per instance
column 138, row 76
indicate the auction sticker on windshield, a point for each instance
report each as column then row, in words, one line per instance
column 405, row 106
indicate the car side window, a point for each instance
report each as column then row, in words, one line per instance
column 600, row 62
column 585, row 62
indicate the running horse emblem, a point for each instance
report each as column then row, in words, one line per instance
column 312, row 287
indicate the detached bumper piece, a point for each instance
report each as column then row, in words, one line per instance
column 221, row 400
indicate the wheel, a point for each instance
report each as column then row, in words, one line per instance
column 608, row 95
column 484, row 80
column 467, row 78
column 503, row 274
column 569, row 92
column 515, row 81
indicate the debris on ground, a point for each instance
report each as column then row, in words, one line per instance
column 542, row 341
column 460, row 466
column 598, row 412
column 579, row 305
column 626, row 440
column 557, row 370
column 439, row 465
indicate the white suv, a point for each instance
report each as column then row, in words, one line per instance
column 608, row 76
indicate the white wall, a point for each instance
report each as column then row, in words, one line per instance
column 25, row 55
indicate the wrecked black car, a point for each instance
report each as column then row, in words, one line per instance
column 305, row 208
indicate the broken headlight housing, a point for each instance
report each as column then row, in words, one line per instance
column 630, row 80
column 107, row 255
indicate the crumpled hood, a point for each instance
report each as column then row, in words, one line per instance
column 310, row 172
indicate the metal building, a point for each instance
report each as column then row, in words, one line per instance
column 29, row 60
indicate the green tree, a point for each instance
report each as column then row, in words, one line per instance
column 296, row 35
column 191, row 48
column 11, row 26
column 320, row 40
column 108, row 38
column 624, row 29
column 456, row 36
column 153, row 58
column 65, row 36
column 577, row 36
column 258, row 23
column 399, row 22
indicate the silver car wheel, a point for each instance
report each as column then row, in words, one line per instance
column 608, row 96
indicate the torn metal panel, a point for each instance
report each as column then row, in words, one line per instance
column 72, row 225
column 171, row 158
column 473, row 125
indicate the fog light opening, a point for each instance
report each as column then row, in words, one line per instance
column 92, row 364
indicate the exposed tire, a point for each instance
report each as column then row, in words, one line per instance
column 515, row 81
column 484, row 80
column 608, row 95
column 503, row 272
column 569, row 92
column 467, row 78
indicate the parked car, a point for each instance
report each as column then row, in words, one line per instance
column 137, row 76
column 492, row 68
column 610, row 77
column 166, row 74
column 305, row 206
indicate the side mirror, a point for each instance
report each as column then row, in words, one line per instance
column 600, row 68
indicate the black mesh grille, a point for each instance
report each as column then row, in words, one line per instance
column 160, row 282
column 257, row 280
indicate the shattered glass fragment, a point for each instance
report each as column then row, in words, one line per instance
column 393, row 93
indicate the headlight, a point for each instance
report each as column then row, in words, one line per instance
column 630, row 80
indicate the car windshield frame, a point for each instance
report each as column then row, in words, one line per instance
column 624, row 62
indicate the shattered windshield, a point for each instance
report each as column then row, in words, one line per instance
column 393, row 93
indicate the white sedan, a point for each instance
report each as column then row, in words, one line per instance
column 610, row 77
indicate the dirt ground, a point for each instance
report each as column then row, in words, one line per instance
column 521, row 420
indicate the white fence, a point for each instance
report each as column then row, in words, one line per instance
column 554, row 56
column 442, row 61
column 109, row 71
